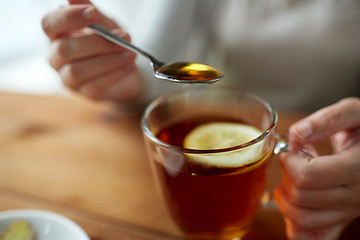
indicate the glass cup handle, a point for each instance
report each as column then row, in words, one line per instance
column 282, row 146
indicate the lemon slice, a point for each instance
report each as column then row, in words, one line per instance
column 218, row 135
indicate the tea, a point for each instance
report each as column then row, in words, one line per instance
column 208, row 202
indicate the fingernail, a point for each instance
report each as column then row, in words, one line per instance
column 303, row 129
column 89, row 13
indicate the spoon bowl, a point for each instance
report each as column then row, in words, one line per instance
column 181, row 72
column 188, row 72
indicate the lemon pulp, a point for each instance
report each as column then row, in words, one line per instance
column 218, row 135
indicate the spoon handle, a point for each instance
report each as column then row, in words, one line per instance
column 100, row 30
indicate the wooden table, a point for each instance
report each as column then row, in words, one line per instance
column 86, row 161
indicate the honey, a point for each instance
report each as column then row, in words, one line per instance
column 187, row 71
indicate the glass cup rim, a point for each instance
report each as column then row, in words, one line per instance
column 237, row 90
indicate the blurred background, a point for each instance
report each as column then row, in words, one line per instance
column 23, row 48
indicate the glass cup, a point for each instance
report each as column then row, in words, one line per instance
column 209, row 201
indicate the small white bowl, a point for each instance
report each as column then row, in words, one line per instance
column 47, row 225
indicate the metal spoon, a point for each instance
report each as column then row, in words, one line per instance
column 181, row 72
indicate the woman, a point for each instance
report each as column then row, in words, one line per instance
column 299, row 55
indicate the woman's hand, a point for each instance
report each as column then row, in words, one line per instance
column 319, row 196
column 87, row 63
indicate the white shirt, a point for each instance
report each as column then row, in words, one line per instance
column 298, row 55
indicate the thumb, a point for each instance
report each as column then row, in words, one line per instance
column 103, row 20
column 322, row 124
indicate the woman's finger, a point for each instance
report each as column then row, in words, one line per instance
column 64, row 50
column 319, row 173
column 294, row 232
column 76, row 73
column 116, row 85
column 63, row 20
column 307, row 218
column 105, row 21
column 327, row 121
column 334, row 198
column 66, row 19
